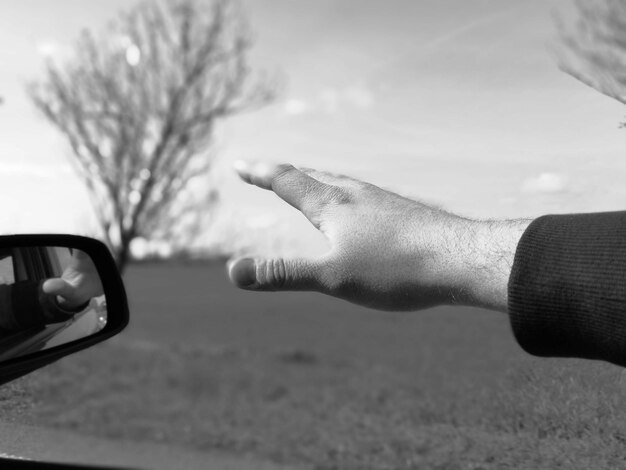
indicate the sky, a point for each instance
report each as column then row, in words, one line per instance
column 459, row 104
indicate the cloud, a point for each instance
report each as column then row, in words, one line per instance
column 295, row 107
column 53, row 50
column 332, row 100
column 359, row 96
column 48, row 48
column 545, row 183
column 356, row 96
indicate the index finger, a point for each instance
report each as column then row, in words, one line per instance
column 292, row 185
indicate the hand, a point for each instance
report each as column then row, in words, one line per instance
column 387, row 251
column 78, row 284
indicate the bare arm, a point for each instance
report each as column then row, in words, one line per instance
column 387, row 251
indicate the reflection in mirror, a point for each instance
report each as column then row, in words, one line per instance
column 49, row 296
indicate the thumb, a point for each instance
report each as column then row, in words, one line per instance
column 58, row 286
column 274, row 274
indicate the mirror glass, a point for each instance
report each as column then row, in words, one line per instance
column 49, row 295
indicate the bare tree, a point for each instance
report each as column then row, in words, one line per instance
column 592, row 48
column 139, row 105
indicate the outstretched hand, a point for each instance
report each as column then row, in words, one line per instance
column 78, row 284
column 387, row 251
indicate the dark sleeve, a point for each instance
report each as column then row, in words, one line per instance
column 24, row 305
column 567, row 289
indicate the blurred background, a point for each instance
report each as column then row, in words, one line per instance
column 470, row 106
column 458, row 104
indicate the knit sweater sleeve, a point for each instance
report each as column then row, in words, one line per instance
column 24, row 305
column 567, row 289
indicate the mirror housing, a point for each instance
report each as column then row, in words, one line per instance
column 112, row 286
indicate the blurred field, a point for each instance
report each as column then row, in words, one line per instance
column 305, row 379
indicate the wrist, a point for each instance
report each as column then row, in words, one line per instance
column 485, row 259
column 71, row 306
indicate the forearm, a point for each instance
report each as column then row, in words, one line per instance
column 561, row 278
column 567, row 292
column 24, row 305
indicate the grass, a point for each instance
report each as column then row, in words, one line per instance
column 302, row 378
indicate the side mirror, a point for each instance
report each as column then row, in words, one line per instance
column 58, row 294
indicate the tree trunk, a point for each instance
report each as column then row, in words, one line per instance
column 123, row 256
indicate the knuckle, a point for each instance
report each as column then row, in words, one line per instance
column 339, row 196
column 281, row 171
column 362, row 185
column 272, row 274
column 317, row 199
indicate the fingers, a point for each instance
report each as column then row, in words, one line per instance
column 331, row 178
column 293, row 186
column 275, row 274
column 67, row 295
column 322, row 176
